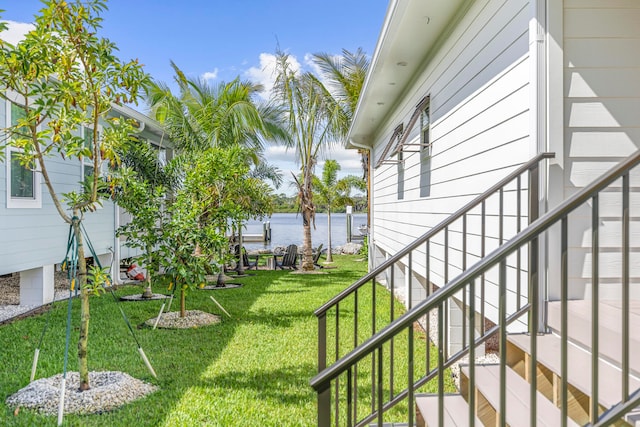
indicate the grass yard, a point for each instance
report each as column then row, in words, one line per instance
column 251, row 369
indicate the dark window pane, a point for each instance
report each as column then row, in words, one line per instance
column 88, row 138
column 21, row 179
column 88, row 171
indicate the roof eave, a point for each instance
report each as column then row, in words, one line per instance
column 410, row 31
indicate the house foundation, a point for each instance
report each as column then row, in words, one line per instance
column 37, row 285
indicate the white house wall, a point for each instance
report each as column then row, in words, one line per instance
column 478, row 83
column 34, row 237
column 602, row 127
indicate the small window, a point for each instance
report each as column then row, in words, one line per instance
column 400, row 175
column 426, row 150
column 87, row 162
column 23, row 180
column 425, row 122
column 162, row 156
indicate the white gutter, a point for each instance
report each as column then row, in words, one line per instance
column 370, row 232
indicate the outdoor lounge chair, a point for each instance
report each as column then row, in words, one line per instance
column 247, row 263
column 316, row 256
column 289, row 258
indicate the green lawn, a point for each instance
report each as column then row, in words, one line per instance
column 251, row 369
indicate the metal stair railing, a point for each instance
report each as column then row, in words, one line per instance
column 371, row 363
column 477, row 209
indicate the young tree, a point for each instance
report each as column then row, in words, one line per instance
column 312, row 119
column 141, row 186
column 63, row 77
column 332, row 193
column 217, row 190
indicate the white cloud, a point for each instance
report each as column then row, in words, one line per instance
column 287, row 160
column 210, row 75
column 311, row 65
column 349, row 161
column 265, row 74
column 16, row 31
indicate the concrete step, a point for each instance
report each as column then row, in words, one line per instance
column 609, row 330
column 517, row 398
column 456, row 410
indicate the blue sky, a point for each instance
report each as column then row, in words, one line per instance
column 222, row 39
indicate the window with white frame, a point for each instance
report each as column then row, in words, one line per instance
column 87, row 162
column 425, row 123
column 426, row 149
column 400, row 175
column 23, row 179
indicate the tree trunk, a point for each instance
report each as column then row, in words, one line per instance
column 148, row 292
column 307, row 209
column 220, row 280
column 183, row 302
column 329, row 256
column 307, row 250
column 83, row 365
column 240, row 266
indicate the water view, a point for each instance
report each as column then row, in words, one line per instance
column 286, row 228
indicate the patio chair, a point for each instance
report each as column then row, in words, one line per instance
column 289, row 258
column 316, row 256
column 248, row 264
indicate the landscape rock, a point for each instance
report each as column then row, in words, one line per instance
column 351, row 248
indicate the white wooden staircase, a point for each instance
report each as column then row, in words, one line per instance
column 549, row 373
column 562, row 372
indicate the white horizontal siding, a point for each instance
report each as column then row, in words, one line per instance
column 478, row 82
column 30, row 238
column 601, row 101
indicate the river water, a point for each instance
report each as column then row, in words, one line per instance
column 286, row 228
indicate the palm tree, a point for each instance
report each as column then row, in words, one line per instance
column 345, row 76
column 333, row 193
column 312, row 118
column 224, row 115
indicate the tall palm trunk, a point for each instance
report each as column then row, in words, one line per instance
column 83, row 364
column 308, row 218
column 307, row 254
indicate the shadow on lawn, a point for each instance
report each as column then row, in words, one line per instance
column 178, row 356
column 276, row 319
column 277, row 384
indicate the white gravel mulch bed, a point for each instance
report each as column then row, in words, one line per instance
column 139, row 297
column 109, row 390
column 216, row 287
column 193, row 319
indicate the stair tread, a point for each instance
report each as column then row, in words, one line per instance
column 579, row 368
column 456, row 410
column 609, row 330
column 488, row 383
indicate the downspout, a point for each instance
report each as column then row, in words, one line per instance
column 369, row 204
column 538, row 54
